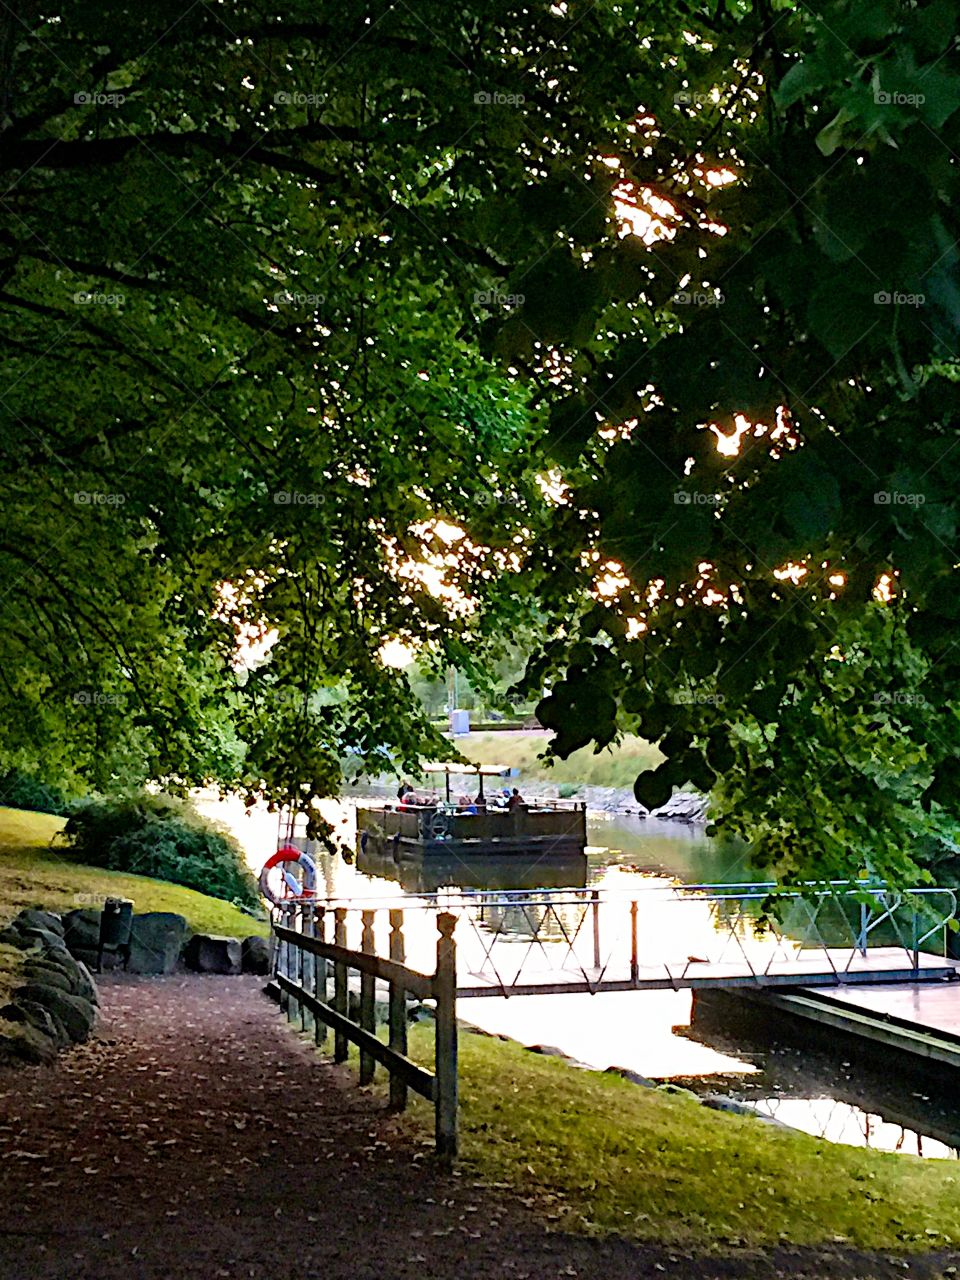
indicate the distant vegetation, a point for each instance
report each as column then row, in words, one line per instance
column 162, row 837
column 613, row 767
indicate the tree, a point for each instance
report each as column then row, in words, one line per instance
column 244, row 262
column 376, row 302
column 761, row 456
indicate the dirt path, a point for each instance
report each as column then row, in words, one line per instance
column 197, row 1137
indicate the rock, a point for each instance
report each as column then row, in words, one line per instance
column 547, row 1050
column 24, row 1043
column 255, row 955
column 76, row 1014
column 683, row 806
column 634, row 1077
column 11, row 937
column 50, row 974
column 156, row 940
column 32, row 935
column 86, row 986
column 211, row 953
column 33, row 918
column 81, row 929
column 39, row 1017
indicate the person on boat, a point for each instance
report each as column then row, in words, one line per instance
column 466, row 805
column 402, row 790
column 515, row 800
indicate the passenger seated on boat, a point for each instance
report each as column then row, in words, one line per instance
column 466, row 805
column 515, row 799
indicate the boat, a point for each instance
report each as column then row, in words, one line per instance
column 538, row 838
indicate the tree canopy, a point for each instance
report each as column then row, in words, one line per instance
column 418, row 322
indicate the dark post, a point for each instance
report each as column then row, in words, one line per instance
column 445, row 992
column 309, row 964
column 596, row 928
column 398, row 1011
column 320, row 977
column 340, row 982
column 286, row 951
column 368, row 988
column 296, row 963
column 634, row 964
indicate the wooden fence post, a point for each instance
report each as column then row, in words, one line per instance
column 398, row 1012
column 368, row 997
column 320, row 976
column 309, row 979
column 294, row 967
column 445, row 991
column 340, row 982
column 283, row 951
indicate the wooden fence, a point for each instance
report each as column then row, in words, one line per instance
column 302, row 951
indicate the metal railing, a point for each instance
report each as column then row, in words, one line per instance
column 677, row 936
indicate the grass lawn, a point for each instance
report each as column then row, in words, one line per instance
column 33, row 875
column 613, row 767
column 600, row 1154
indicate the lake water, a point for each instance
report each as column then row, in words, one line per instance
column 646, row 1032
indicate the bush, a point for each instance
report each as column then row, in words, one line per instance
column 22, row 791
column 568, row 789
column 160, row 836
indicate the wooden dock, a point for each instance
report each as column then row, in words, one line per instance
column 918, row 1020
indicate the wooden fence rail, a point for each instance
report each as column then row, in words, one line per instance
column 301, row 971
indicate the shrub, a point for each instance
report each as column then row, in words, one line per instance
column 23, row 791
column 568, row 789
column 163, row 837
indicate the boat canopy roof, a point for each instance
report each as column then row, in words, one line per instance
column 474, row 770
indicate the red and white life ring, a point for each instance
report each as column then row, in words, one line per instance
column 289, row 853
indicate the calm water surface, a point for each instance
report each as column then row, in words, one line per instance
column 645, row 1032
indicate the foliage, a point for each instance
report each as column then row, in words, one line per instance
column 35, row 875
column 22, row 791
column 755, row 565
column 286, row 300
column 610, row 1156
column 161, row 837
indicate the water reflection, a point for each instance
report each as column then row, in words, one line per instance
column 845, row 1123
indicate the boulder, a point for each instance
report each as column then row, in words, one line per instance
column 86, row 986
column 33, row 936
column 11, row 937
column 211, row 953
column 81, row 929
column 39, row 1017
column 156, row 940
column 34, row 918
column 52, row 975
column 255, row 955
column 634, row 1077
column 75, row 1014
column 25, row 1043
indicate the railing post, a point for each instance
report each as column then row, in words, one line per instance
column 596, row 928
column 340, row 982
column 283, row 951
column 320, row 976
column 309, row 964
column 634, row 950
column 445, row 992
column 295, row 969
column 916, row 943
column 368, row 989
column 398, row 1011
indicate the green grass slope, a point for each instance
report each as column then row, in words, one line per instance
column 613, row 767
column 606, row 1155
column 34, row 875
